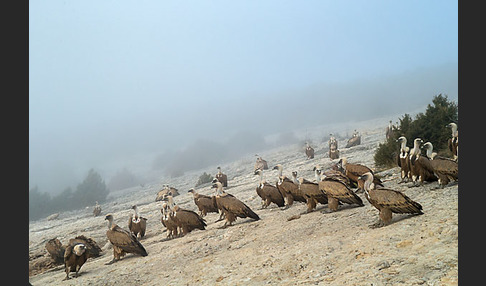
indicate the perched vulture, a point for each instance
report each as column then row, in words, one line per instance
column 204, row 203
column 403, row 160
column 222, row 177
column 97, row 209
column 268, row 193
column 338, row 192
column 419, row 164
column 123, row 241
column 166, row 190
column 311, row 191
column 453, row 142
column 355, row 140
column 445, row 169
column 168, row 221
column 289, row 188
column 186, row 220
column 388, row 201
column 309, row 151
column 414, row 152
column 74, row 257
column 231, row 206
column 260, row 164
column 137, row 224
column 389, row 130
column 353, row 171
column 56, row 250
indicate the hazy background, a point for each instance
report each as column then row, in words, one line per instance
column 119, row 84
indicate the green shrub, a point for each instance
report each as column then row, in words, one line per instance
column 203, row 179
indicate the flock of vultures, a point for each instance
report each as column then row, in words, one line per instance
column 337, row 186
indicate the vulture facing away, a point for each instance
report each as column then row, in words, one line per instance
column 354, row 141
column 231, row 206
column 289, row 188
column 268, row 193
column 74, row 257
column 388, row 201
column 186, row 220
column 403, row 160
column 204, row 203
column 56, row 250
column 445, row 169
column 123, row 241
column 222, row 177
column 137, row 224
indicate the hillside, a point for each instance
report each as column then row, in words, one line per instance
column 317, row 249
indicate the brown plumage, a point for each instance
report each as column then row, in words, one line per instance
column 354, row 141
column 414, row 168
column 309, row 151
column 231, row 206
column 353, row 171
column 445, row 169
column 333, row 148
column 137, row 224
column 186, row 220
column 268, row 193
column 420, row 167
column 204, row 203
column 453, row 142
column 388, row 201
column 92, row 248
column 389, row 130
column 56, row 250
column 222, row 177
column 74, row 257
column 312, row 192
column 338, row 192
column 337, row 176
column 97, row 209
column 289, row 188
column 403, row 160
column 260, row 164
column 123, row 241
column 168, row 221
column 166, row 190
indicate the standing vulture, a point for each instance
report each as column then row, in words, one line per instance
column 414, row 152
column 388, row 201
column 186, row 220
column 231, row 206
column 137, row 224
column 333, row 148
column 123, row 241
column 421, row 168
column 338, row 192
column 74, row 257
column 97, row 209
column 168, row 221
column 260, row 164
column 222, row 177
column 289, row 188
column 268, row 193
column 309, row 151
column 389, row 130
column 204, row 203
column 445, row 169
column 166, row 190
column 403, row 160
column 311, row 191
column 353, row 171
column 453, row 142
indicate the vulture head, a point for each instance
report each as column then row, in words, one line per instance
column 79, row 249
column 191, row 191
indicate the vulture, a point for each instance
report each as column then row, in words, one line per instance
column 403, row 160
column 123, row 241
column 74, row 257
column 338, row 192
column 137, row 224
column 336, row 175
column 311, row 191
column 289, row 188
column 387, row 201
column 355, row 140
column 56, row 250
column 168, row 221
column 309, row 151
column 204, row 203
column 222, row 177
column 420, row 167
column 333, row 148
column 260, row 164
column 353, row 171
column 389, row 130
column 445, row 169
column 231, row 206
column 166, row 190
column 97, row 209
column 268, row 193
column 414, row 152
column 186, row 220
column 453, row 142
column 92, row 248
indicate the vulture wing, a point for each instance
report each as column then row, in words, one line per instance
column 125, row 240
column 340, row 191
column 395, row 200
column 237, row 207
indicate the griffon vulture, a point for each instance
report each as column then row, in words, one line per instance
column 92, row 248
column 97, row 209
column 123, row 241
column 388, row 201
column 355, row 140
column 204, row 203
column 419, row 165
column 389, row 130
column 268, row 193
column 137, row 224
column 260, row 164
column 338, row 192
column 186, row 220
column 353, row 171
column 453, row 142
column 333, row 148
column 231, row 206
column 74, row 257
column 168, row 221
column 222, row 177
column 309, row 151
column 445, row 169
column 403, row 160
column 311, row 191
column 56, row 250
column 166, row 190
column 289, row 188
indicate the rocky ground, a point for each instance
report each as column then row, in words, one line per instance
column 316, row 249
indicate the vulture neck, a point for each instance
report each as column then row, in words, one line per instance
column 280, row 169
column 135, row 209
column 294, row 178
column 170, row 201
column 317, row 174
column 110, row 224
column 454, row 130
column 403, row 146
column 416, row 148
column 429, row 153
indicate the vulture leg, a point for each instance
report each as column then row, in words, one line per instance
column 68, row 269
column 332, row 204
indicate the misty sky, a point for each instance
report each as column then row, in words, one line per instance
column 113, row 80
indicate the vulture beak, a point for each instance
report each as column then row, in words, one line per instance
column 274, row 168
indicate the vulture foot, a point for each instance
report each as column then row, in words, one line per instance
column 377, row 224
